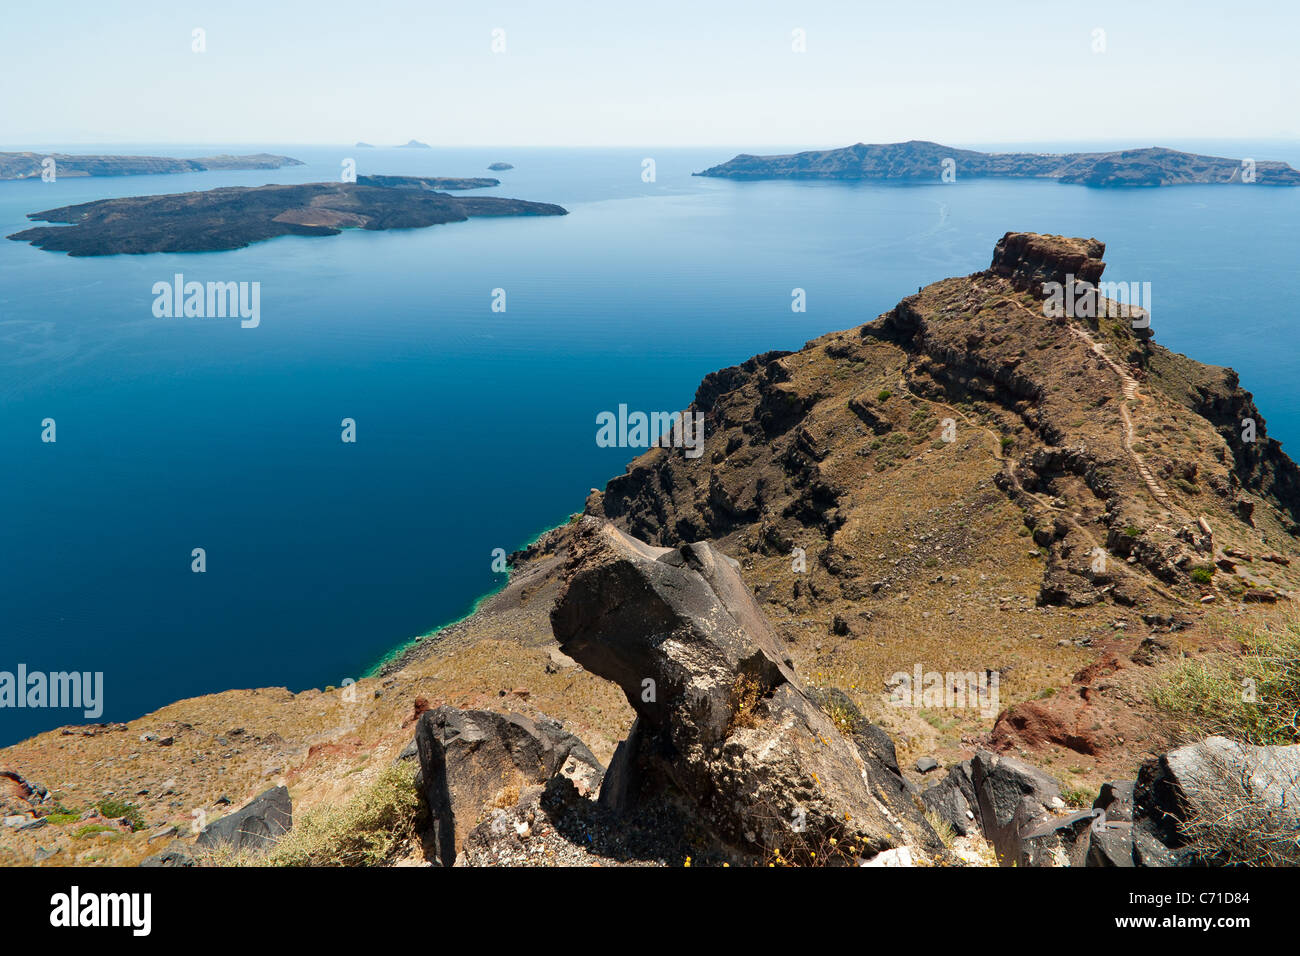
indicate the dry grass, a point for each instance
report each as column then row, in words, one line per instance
column 372, row 829
column 745, row 695
column 1253, row 697
column 1243, row 820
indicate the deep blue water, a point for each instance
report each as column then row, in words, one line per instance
column 476, row 429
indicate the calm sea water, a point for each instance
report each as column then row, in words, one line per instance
column 476, row 429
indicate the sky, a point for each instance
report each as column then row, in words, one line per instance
column 664, row 73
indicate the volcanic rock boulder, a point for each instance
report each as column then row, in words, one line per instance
column 257, row 826
column 1014, row 801
column 1110, row 843
column 953, row 799
column 471, row 760
column 1223, row 802
column 1057, row 841
column 723, row 725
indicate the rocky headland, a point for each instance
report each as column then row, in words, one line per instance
column 704, row 666
column 921, row 161
column 234, row 217
column 30, row 165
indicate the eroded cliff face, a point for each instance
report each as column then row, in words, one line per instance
column 1124, row 463
column 982, row 479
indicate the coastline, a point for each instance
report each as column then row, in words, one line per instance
column 401, row 655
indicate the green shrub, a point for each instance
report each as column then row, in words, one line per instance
column 91, row 829
column 371, row 829
column 121, row 810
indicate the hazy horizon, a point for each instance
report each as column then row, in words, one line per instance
column 586, row 76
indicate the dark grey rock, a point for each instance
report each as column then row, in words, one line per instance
column 722, row 721
column 469, row 758
column 257, row 826
column 1219, row 779
column 1116, row 798
column 926, row 764
column 1057, row 841
column 172, row 856
column 953, row 799
column 1110, row 843
column 1148, row 850
column 1012, row 796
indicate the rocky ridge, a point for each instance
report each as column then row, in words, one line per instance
column 30, row 165
column 921, row 161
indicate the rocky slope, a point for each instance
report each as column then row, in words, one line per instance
column 920, row 161
column 234, row 217
column 29, row 165
column 963, row 485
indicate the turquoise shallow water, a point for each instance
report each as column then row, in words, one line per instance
column 476, row 429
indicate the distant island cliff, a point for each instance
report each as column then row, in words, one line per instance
column 921, row 161
column 234, row 217
column 31, row 165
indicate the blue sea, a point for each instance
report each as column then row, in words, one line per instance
column 475, row 428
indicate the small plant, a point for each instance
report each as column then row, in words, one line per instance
column 1077, row 797
column 745, row 694
column 1202, row 575
column 941, row 827
column 1006, row 441
column 884, row 395
column 840, row 716
column 91, row 829
column 121, row 810
column 1133, row 531
column 371, row 829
